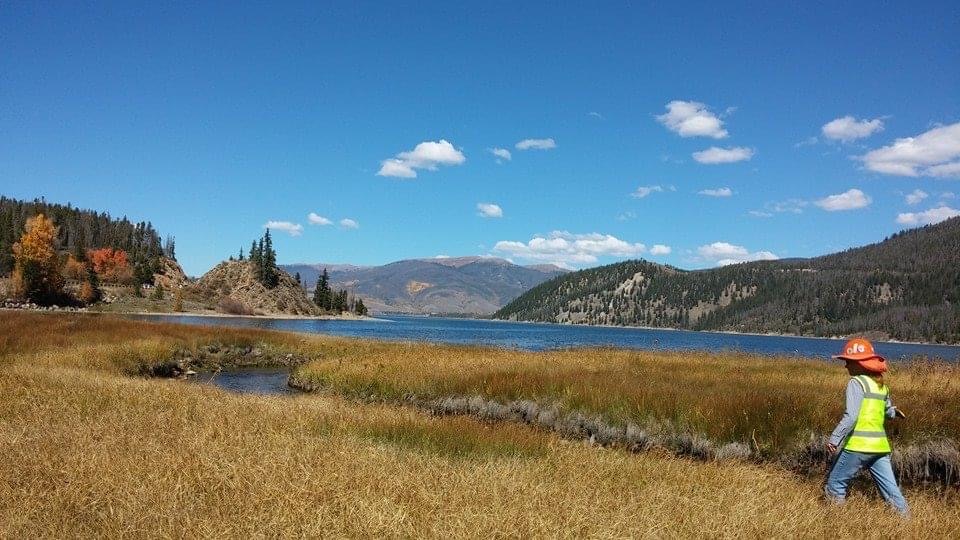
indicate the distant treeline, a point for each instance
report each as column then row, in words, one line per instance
column 907, row 286
column 79, row 231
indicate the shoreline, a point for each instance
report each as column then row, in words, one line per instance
column 725, row 332
column 279, row 316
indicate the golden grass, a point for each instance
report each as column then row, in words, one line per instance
column 773, row 404
column 86, row 451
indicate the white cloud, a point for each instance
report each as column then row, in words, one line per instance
column 627, row 216
column 348, row 223
column 945, row 170
column 660, row 249
column 760, row 213
column 848, row 129
column 715, row 155
column 932, row 153
column 561, row 247
column 501, row 153
column 643, row 191
column 489, row 210
column 948, row 195
column 724, row 253
column 692, row 119
column 595, row 115
column 427, row 155
column 809, row 141
column 536, row 144
column 929, row 217
column 790, row 206
column 317, row 219
column 915, row 196
column 293, row 229
column 851, row 199
column 719, row 192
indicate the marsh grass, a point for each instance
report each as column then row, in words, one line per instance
column 87, row 450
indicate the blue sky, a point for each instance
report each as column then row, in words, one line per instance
column 211, row 121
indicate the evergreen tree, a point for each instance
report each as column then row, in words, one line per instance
column 360, row 309
column 270, row 274
column 256, row 258
column 297, row 277
column 169, row 248
column 321, row 294
column 240, row 257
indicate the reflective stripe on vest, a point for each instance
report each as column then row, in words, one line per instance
column 868, row 433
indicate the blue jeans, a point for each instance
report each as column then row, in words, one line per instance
column 848, row 464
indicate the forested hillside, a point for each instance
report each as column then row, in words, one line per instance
column 906, row 287
column 81, row 230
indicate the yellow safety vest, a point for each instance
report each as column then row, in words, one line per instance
column 868, row 433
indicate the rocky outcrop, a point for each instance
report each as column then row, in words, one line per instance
column 170, row 275
column 234, row 287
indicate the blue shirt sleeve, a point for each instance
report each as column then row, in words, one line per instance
column 854, row 400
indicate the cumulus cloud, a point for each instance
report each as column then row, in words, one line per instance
column 929, row 217
column 561, row 247
column 489, row 210
column 692, row 119
column 536, row 144
column 660, row 249
column 715, row 155
column 760, row 213
column 851, row 199
column 847, row 129
column 719, row 192
column 348, row 223
column 643, row 191
column 595, row 115
column 428, row 155
column 945, row 170
column 626, row 216
column 293, row 229
column 933, row 153
column 915, row 196
column 724, row 253
column 501, row 153
column 317, row 219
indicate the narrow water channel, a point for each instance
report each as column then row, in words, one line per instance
column 249, row 380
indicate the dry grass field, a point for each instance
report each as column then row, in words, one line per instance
column 89, row 449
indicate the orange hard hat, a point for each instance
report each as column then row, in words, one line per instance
column 860, row 350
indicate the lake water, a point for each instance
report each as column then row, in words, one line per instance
column 538, row 337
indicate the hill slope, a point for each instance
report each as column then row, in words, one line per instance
column 461, row 285
column 906, row 287
column 235, row 280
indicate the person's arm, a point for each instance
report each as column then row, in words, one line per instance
column 892, row 410
column 849, row 419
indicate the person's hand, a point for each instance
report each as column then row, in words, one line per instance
column 899, row 414
column 832, row 448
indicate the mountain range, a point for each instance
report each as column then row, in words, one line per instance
column 452, row 285
column 906, row 287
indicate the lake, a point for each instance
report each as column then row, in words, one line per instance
column 538, row 337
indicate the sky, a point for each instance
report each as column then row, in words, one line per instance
column 367, row 132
